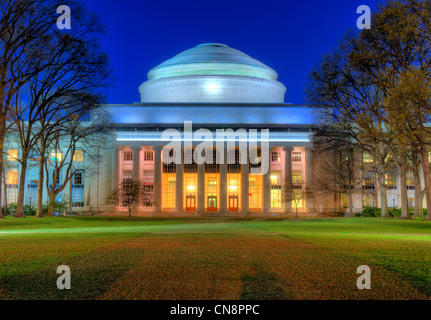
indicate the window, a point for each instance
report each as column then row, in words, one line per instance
column 275, row 189
column 56, row 156
column 12, row 155
column 128, row 156
column 148, row 156
column 255, row 192
column 275, row 157
column 169, row 191
column 77, row 179
column 296, row 177
column 367, row 158
column 78, row 155
column 34, row 156
column 12, row 185
column 12, row 178
column 296, row 156
column 78, row 190
column 275, row 177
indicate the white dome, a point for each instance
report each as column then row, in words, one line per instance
column 212, row 73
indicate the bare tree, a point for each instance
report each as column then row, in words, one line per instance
column 129, row 194
column 339, row 171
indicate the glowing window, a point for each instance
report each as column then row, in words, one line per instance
column 12, row 177
column 169, row 190
column 56, row 156
column 12, row 155
column 367, row 158
column 255, row 192
column 275, row 177
column 78, row 156
column 275, row 198
column 296, row 177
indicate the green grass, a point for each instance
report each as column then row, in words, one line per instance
column 214, row 258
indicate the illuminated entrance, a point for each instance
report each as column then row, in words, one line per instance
column 212, row 191
column 233, row 203
column 212, row 203
column 234, row 187
column 191, row 203
column 191, row 193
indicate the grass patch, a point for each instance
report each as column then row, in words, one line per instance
column 214, row 258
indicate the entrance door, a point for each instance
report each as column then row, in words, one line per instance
column 212, row 203
column 233, row 203
column 190, row 203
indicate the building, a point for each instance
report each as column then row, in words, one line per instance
column 211, row 86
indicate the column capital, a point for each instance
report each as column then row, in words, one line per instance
column 136, row 148
column 287, row 148
column 157, row 148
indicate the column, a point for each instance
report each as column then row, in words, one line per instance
column 288, row 178
column 157, row 179
column 245, row 175
column 201, row 188
column 223, row 181
column 179, row 186
column 267, row 186
column 309, row 178
column 115, row 167
column 136, row 163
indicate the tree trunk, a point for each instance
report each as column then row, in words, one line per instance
column 5, row 193
column 2, row 137
column 382, row 192
column 21, row 188
column 419, row 194
column 51, row 199
column 39, row 212
column 427, row 179
column 403, row 186
column 350, row 212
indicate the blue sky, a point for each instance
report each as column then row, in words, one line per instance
column 289, row 36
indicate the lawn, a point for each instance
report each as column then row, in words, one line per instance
column 214, row 258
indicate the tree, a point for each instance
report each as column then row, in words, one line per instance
column 378, row 83
column 339, row 171
column 129, row 194
column 61, row 150
column 26, row 28
column 68, row 86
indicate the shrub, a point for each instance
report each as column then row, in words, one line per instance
column 11, row 209
column 370, row 212
column 395, row 212
column 29, row 210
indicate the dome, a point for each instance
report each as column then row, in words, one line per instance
column 212, row 72
column 212, row 59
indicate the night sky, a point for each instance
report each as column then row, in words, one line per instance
column 288, row 36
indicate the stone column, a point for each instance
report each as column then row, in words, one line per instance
column 267, row 187
column 136, row 163
column 223, row 181
column 245, row 191
column 309, row 163
column 201, row 188
column 179, row 186
column 288, row 178
column 115, row 167
column 157, row 186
